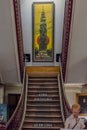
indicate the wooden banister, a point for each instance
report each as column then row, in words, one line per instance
column 15, row 120
column 15, row 114
column 66, row 106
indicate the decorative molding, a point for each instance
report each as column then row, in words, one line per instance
column 15, row 39
column 19, row 35
column 66, row 34
column 73, row 87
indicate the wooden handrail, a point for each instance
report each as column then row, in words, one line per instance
column 15, row 109
column 13, row 115
column 61, row 101
column 15, row 120
column 25, row 102
column 67, row 110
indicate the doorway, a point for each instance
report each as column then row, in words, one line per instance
column 12, row 103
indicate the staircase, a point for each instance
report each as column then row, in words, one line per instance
column 43, row 109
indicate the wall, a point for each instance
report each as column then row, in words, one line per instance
column 9, row 66
column 71, row 90
column 12, row 90
column 26, row 13
column 77, row 59
column 9, row 90
column 1, row 94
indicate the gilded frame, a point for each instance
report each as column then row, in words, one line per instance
column 43, row 31
column 81, row 98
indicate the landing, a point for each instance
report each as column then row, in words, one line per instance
column 42, row 70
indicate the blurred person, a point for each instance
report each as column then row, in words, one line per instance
column 73, row 121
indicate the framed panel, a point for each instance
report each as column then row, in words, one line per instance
column 81, row 98
column 43, row 31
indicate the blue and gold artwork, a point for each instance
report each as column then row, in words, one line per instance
column 3, row 112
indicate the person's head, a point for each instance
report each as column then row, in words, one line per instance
column 75, row 110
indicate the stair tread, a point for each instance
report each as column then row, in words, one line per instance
column 46, row 87
column 42, row 78
column 25, row 126
column 43, row 100
column 43, row 83
column 43, row 105
column 42, row 91
column 34, row 115
column 37, row 110
column 42, row 121
column 43, row 96
column 39, row 76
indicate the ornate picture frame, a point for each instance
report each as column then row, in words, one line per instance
column 81, row 98
column 43, row 31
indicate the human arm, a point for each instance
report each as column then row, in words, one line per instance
column 67, row 124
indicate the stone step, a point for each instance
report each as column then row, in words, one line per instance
column 40, row 128
column 42, row 101
column 44, row 83
column 42, row 124
column 42, row 116
column 42, row 78
column 43, row 96
column 46, row 106
column 42, row 121
column 43, row 92
column 43, row 88
column 43, row 110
